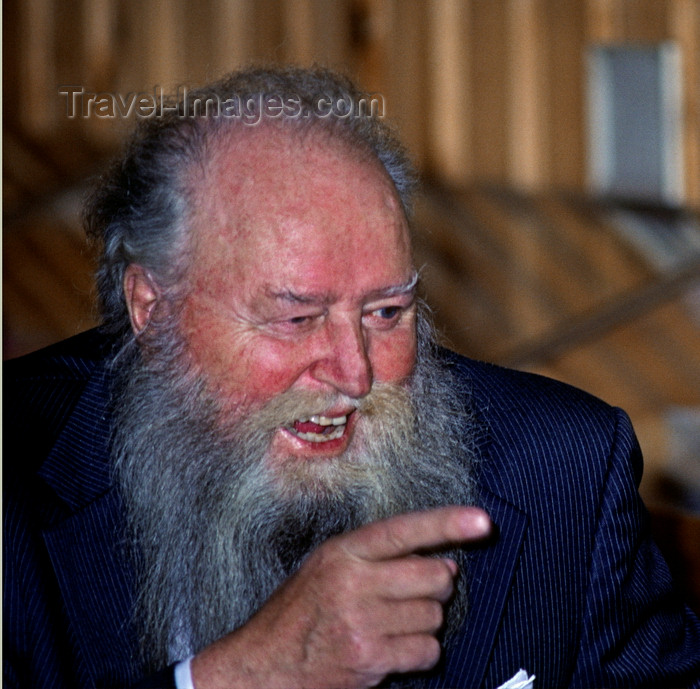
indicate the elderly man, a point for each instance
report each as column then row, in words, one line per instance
column 261, row 471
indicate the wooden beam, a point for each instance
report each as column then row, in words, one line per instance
column 38, row 80
column 685, row 28
column 582, row 329
column 449, row 99
column 526, row 120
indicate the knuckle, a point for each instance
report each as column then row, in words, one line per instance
column 444, row 579
column 355, row 621
column 332, row 559
column 362, row 654
column 440, row 577
column 320, row 558
column 414, row 567
column 435, row 615
column 395, row 534
column 338, row 582
column 430, row 653
column 330, row 549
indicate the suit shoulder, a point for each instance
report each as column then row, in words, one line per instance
column 500, row 389
column 40, row 390
column 540, row 424
column 72, row 359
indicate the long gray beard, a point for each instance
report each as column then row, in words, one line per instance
column 215, row 526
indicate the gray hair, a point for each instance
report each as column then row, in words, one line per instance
column 138, row 213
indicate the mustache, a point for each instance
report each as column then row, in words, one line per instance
column 289, row 406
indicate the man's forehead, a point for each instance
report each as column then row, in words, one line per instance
column 245, row 156
column 263, row 171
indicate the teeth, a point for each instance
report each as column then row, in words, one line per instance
column 321, row 437
column 334, row 427
column 327, row 421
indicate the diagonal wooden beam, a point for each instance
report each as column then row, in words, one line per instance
column 617, row 312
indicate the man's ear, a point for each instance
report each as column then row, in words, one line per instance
column 142, row 296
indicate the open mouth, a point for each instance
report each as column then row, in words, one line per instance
column 319, row 429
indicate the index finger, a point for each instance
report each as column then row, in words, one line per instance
column 405, row 533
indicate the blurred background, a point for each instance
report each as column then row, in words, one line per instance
column 559, row 141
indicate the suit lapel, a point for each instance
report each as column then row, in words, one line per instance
column 85, row 548
column 78, row 465
column 491, row 570
column 85, row 553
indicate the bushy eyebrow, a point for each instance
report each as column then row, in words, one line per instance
column 322, row 299
column 398, row 290
column 326, row 298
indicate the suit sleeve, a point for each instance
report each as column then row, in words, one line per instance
column 165, row 679
column 637, row 633
column 39, row 648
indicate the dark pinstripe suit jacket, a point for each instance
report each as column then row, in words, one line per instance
column 571, row 589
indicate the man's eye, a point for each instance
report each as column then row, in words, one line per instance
column 384, row 317
column 297, row 324
column 388, row 312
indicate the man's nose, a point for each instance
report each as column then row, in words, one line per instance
column 345, row 362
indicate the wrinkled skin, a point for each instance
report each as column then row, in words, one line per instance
column 302, row 277
column 362, row 606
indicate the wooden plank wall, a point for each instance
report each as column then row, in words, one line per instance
column 487, row 94
column 483, row 89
